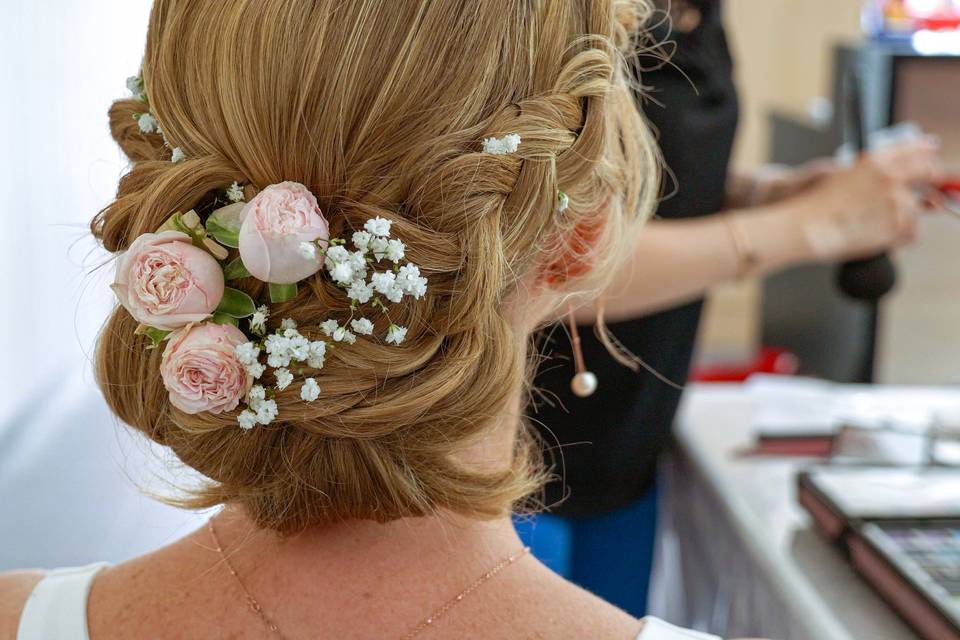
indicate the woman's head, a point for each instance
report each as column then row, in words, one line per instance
column 379, row 108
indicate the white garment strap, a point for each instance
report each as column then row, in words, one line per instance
column 657, row 629
column 57, row 607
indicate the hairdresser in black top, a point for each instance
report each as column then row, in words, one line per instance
column 715, row 226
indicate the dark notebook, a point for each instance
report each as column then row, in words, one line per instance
column 901, row 529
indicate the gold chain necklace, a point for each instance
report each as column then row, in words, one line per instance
column 436, row 615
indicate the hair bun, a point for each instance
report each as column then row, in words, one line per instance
column 378, row 111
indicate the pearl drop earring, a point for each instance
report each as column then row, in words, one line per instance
column 584, row 383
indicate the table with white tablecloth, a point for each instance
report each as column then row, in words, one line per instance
column 736, row 554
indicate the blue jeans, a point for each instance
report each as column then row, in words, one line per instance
column 609, row 555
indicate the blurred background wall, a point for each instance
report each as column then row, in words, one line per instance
column 784, row 55
column 63, row 63
column 782, row 50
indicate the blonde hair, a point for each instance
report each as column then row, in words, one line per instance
column 380, row 109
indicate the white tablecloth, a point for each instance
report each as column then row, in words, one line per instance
column 736, row 555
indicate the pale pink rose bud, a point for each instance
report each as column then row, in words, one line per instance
column 273, row 226
column 201, row 370
column 164, row 281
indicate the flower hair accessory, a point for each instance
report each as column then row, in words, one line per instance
column 502, row 146
column 174, row 283
column 146, row 121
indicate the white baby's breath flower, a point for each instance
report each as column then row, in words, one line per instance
column 395, row 294
column 235, row 193
column 378, row 226
column 256, row 370
column 318, row 349
column 329, row 326
column 277, row 360
column 256, row 395
column 258, row 321
column 147, row 123
column 379, row 247
column 135, row 87
column 318, row 352
column 284, row 378
column 178, row 155
column 308, row 250
column 502, row 146
column 310, row 390
column 360, row 291
column 383, row 281
column 278, row 348
column 337, row 253
column 277, row 343
column 267, row 411
column 342, row 334
column 563, row 201
column 358, row 262
column 362, row 326
column 288, row 323
column 395, row 250
column 395, row 334
column 361, row 240
column 299, row 348
column 247, row 419
column 411, row 282
column 247, row 353
column 342, row 273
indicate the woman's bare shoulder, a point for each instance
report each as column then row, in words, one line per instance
column 15, row 588
column 564, row 610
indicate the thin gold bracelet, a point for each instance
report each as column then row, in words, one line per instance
column 747, row 258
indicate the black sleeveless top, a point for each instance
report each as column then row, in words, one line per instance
column 609, row 442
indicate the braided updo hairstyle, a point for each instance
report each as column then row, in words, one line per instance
column 379, row 108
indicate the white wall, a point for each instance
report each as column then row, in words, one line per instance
column 61, row 64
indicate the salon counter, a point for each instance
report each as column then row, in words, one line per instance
column 736, row 555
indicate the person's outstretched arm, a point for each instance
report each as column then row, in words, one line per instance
column 851, row 212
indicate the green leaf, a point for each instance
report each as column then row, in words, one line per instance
column 157, row 336
column 226, row 237
column 171, row 224
column 236, row 304
column 235, row 270
column 282, row 292
column 224, row 224
column 223, row 318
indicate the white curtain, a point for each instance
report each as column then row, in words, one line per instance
column 61, row 64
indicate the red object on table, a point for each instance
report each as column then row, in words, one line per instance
column 769, row 360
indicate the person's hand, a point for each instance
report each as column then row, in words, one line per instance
column 776, row 183
column 871, row 206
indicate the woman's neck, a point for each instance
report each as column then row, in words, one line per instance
column 446, row 550
column 414, row 564
column 435, row 536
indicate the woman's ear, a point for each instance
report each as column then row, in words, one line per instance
column 577, row 254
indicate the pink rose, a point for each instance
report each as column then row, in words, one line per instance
column 201, row 371
column 273, row 225
column 166, row 282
